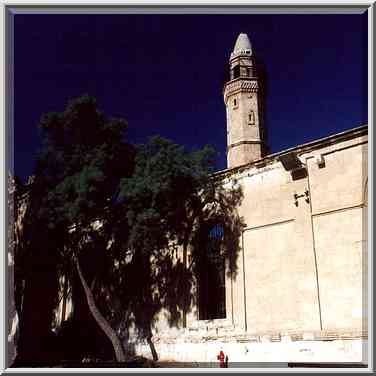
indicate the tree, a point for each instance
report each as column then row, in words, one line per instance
column 77, row 176
column 167, row 185
column 171, row 200
column 112, row 212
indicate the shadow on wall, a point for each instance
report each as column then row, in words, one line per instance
column 174, row 283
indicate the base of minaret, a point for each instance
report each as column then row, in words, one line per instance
column 243, row 153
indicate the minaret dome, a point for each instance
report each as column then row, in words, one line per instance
column 242, row 46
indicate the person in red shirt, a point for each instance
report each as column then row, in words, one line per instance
column 222, row 360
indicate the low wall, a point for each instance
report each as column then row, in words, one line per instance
column 265, row 350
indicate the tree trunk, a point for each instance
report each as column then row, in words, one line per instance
column 152, row 348
column 101, row 321
column 185, row 297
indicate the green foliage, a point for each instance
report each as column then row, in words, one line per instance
column 83, row 158
column 159, row 195
column 171, row 202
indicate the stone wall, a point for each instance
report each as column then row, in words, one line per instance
column 300, row 289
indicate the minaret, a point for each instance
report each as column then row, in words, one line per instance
column 245, row 129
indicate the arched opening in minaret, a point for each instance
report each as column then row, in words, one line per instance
column 211, row 278
column 236, row 72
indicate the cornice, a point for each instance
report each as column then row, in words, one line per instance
column 240, row 85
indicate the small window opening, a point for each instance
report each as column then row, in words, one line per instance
column 211, row 281
column 235, row 103
column 251, row 117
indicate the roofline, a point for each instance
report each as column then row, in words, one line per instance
column 309, row 146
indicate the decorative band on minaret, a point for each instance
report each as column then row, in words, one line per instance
column 245, row 129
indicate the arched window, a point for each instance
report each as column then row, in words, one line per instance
column 211, row 278
column 236, row 71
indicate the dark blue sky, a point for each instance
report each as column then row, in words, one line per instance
column 164, row 74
